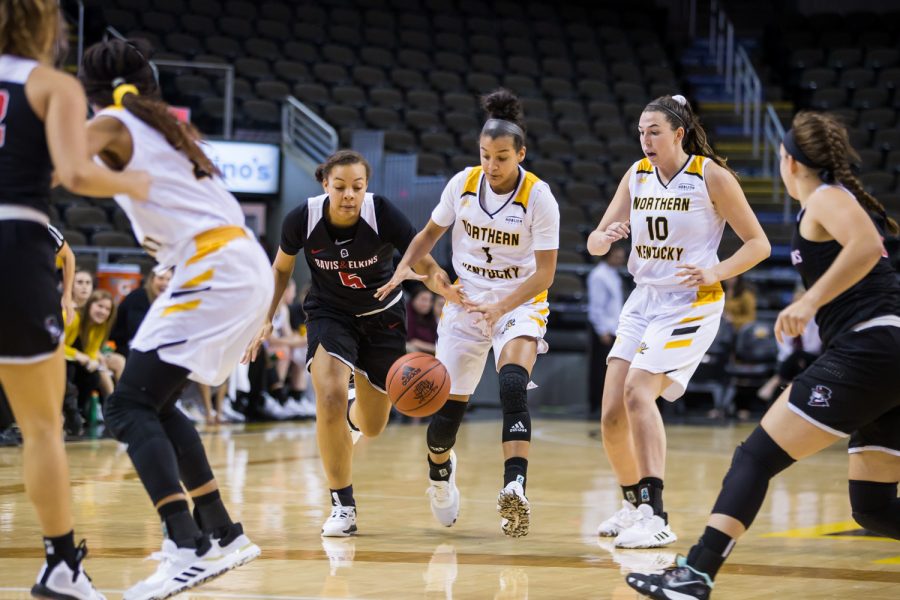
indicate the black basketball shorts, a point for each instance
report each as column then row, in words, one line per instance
column 853, row 389
column 31, row 322
column 368, row 344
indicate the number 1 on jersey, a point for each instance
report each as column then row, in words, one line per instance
column 352, row 280
column 658, row 228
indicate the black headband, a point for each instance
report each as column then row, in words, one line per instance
column 671, row 112
column 792, row 148
column 497, row 127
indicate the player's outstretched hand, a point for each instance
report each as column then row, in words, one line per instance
column 253, row 349
column 440, row 284
column 792, row 320
column 400, row 275
column 695, row 276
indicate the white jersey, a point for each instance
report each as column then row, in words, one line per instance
column 179, row 206
column 671, row 224
column 495, row 236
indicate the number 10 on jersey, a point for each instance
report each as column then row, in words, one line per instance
column 658, row 228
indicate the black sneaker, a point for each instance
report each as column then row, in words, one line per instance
column 10, row 437
column 680, row 582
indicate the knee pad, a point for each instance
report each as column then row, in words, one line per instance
column 129, row 414
column 744, row 488
column 514, row 403
column 441, row 435
column 193, row 465
column 876, row 507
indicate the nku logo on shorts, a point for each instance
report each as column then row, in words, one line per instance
column 820, row 396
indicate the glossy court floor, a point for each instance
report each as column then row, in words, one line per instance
column 802, row 545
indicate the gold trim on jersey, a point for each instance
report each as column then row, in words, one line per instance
column 678, row 344
column 709, row 294
column 471, row 184
column 525, row 191
column 695, row 167
column 181, row 307
column 212, row 240
column 644, row 166
column 201, row 278
column 690, row 319
column 542, row 297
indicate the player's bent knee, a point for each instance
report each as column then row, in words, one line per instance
column 514, row 403
column 744, row 488
column 441, row 435
column 876, row 507
column 126, row 410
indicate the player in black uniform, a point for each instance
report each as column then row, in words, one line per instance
column 348, row 238
column 852, row 390
column 42, row 127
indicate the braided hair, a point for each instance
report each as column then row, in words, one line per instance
column 116, row 63
column 825, row 141
column 677, row 111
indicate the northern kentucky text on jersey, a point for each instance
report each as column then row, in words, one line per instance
column 490, row 235
column 340, row 265
column 507, row 273
column 659, row 252
column 673, row 204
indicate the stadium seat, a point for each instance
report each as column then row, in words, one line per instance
column 199, row 25
column 262, row 113
column 276, row 91
column 261, row 48
column 113, row 239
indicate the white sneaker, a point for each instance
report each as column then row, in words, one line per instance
column 236, row 548
column 179, row 569
column 272, row 408
column 342, row 521
column 619, row 522
column 340, row 552
column 647, row 531
column 445, row 496
column 306, row 407
column 514, row 509
column 638, row 560
column 230, row 414
column 62, row 582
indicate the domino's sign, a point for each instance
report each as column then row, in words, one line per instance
column 246, row 167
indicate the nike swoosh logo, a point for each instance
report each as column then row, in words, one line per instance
column 342, row 242
column 317, row 251
column 394, row 325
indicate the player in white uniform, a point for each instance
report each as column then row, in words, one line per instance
column 196, row 330
column 505, row 240
column 674, row 203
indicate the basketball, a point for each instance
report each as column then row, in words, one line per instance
column 418, row 384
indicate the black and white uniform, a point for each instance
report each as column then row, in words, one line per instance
column 30, row 318
column 347, row 266
column 853, row 389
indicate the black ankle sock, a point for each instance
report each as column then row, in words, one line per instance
column 630, row 493
column 345, row 495
column 211, row 515
column 178, row 524
column 513, row 468
column 60, row 549
column 710, row 552
column 650, row 492
column 439, row 471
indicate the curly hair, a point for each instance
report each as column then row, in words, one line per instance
column 29, row 28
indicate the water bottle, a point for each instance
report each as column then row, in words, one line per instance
column 94, row 409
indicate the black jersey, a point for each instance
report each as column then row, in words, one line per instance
column 877, row 294
column 348, row 264
column 25, row 165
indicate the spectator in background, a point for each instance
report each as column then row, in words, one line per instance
column 421, row 324
column 134, row 307
column 794, row 355
column 740, row 303
column 285, row 338
column 605, row 301
column 85, row 336
column 82, row 287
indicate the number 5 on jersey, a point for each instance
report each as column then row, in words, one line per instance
column 352, row 280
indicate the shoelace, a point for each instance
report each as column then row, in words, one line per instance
column 81, row 552
column 438, row 492
column 341, row 512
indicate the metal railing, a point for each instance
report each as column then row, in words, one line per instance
column 741, row 78
column 227, row 93
column 772, row 134
column 304, row 131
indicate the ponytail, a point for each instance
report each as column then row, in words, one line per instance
column 827, row 144
column 678, row 113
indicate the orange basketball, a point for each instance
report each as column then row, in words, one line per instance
column 418, row 384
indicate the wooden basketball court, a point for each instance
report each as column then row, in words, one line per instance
column 802, row 545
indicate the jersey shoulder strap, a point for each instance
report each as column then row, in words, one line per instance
column 470, row 185
column 524, row 194
column 696, row 165
column 314, row 208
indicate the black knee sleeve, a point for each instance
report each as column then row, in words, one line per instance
column 193, row 466
column 444, row 424
column 514, row 403
column 876, row 507
column 757, row 460
column 135, row 423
